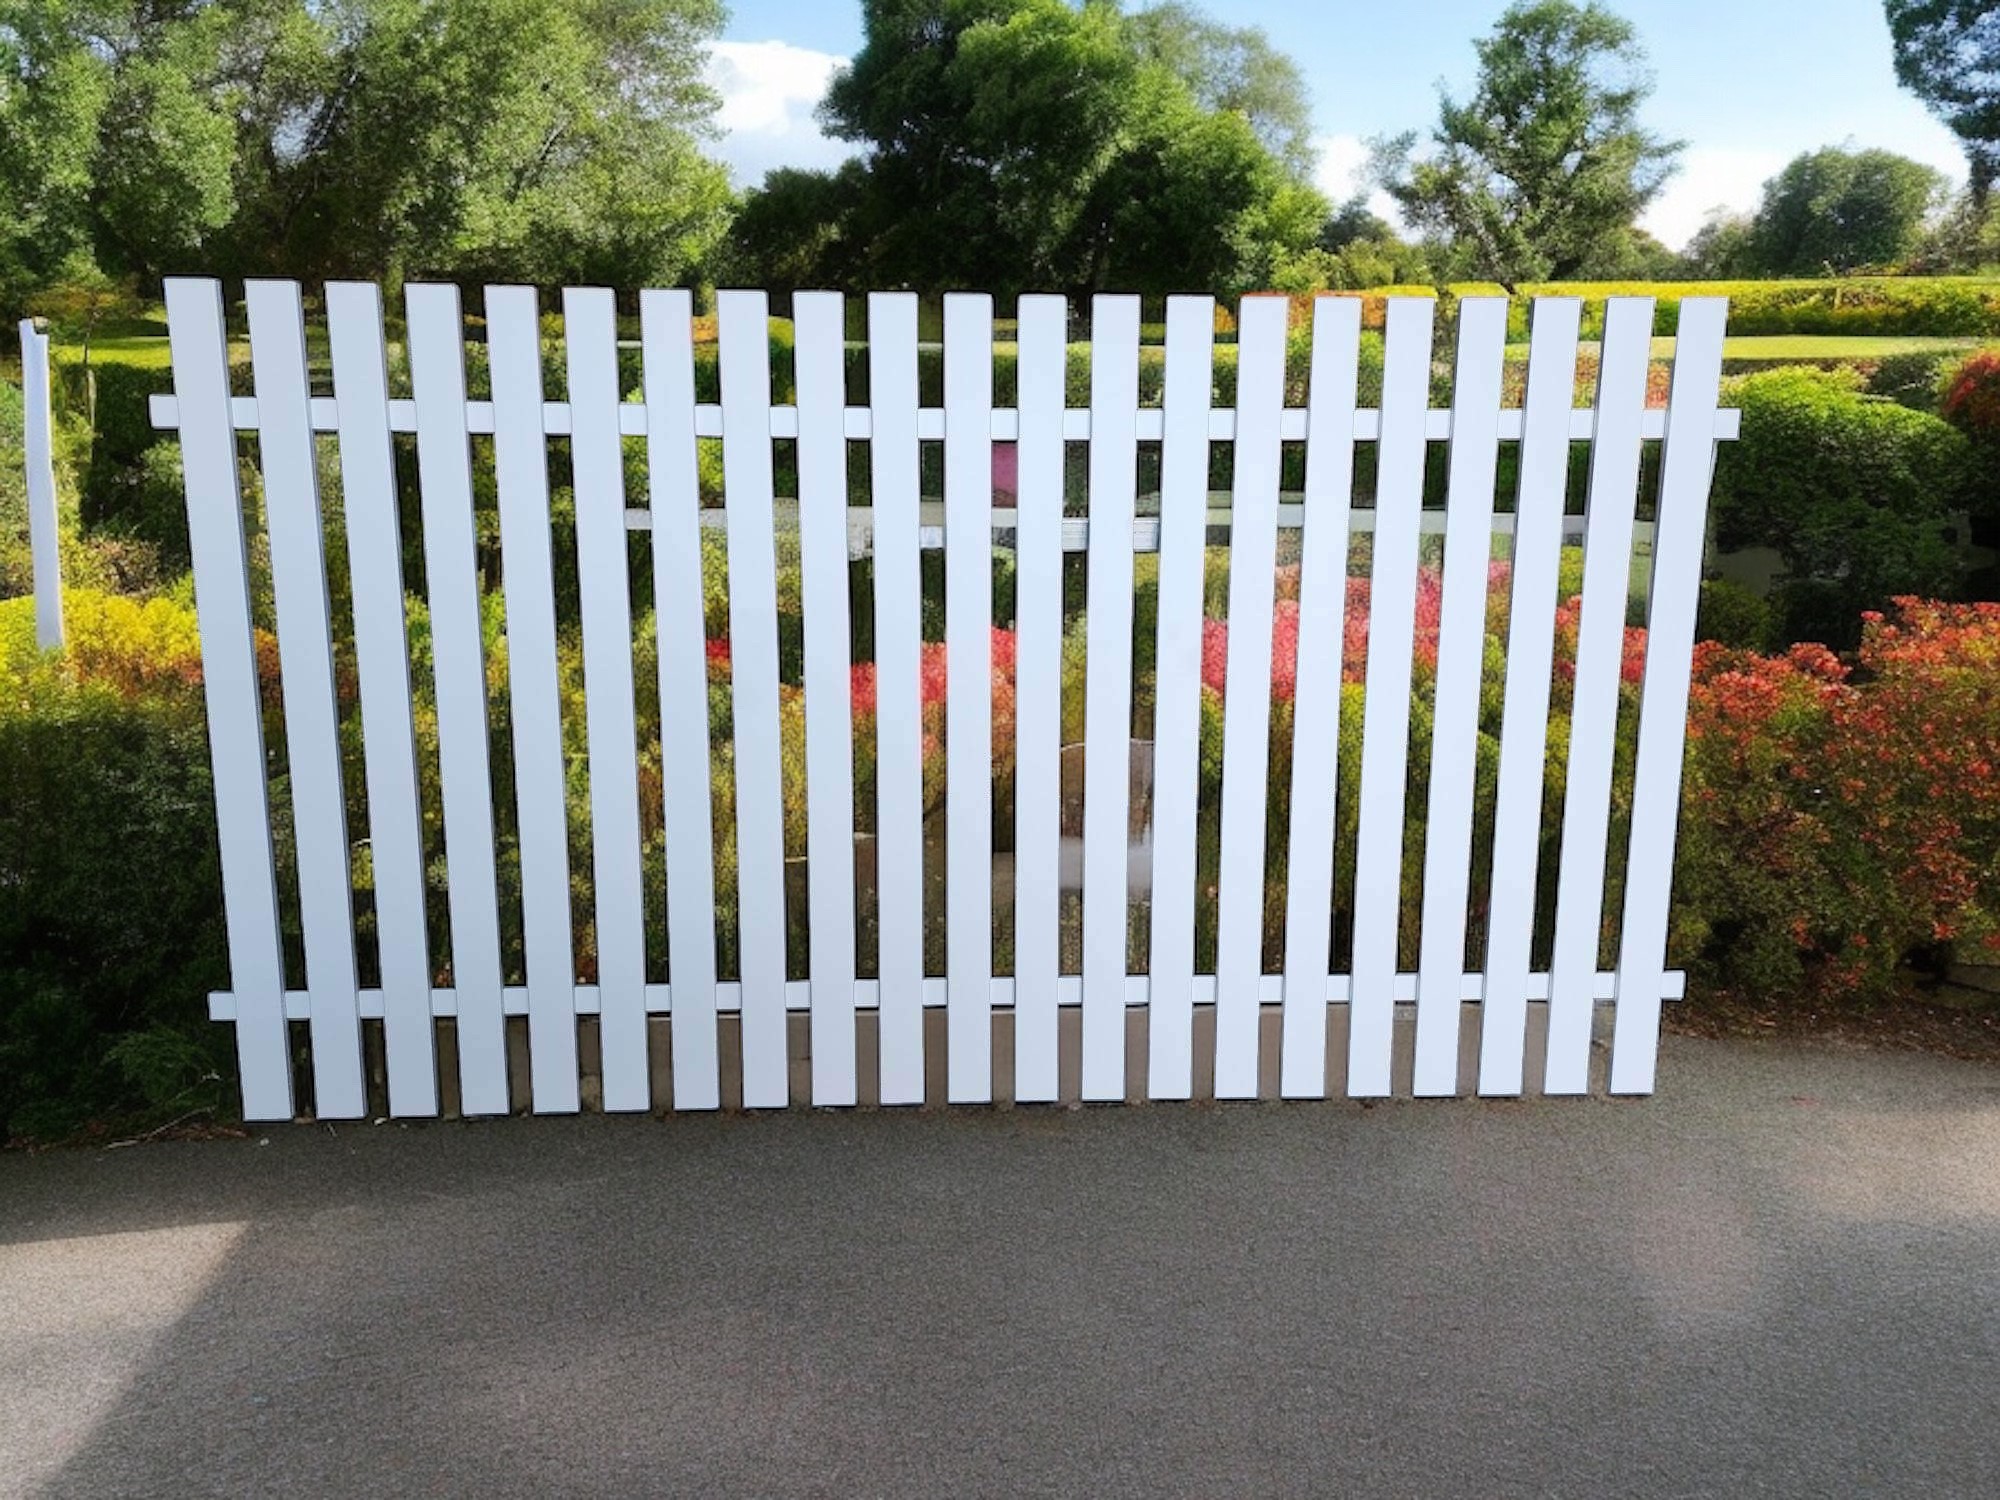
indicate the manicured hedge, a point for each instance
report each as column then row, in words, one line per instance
column 1883, row 306
column 1853, row 491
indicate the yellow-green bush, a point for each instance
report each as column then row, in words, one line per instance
column 110, row 896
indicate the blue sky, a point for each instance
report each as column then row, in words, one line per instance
column 1747, row 84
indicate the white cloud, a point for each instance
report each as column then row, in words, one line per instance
column 1343, row 171
column 1710, row 178
column 769, row 91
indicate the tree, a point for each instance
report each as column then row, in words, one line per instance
column 1948, row 54
column 1541, row 173
column 801, row 229
column 540, row 140
column 1838, row 210
column 1721, row 247
column 1353, row 220
column 1232, row 68
column 1025, row 144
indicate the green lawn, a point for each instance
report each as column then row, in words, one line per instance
column 1803, row 348
column 1826, row 347
column 143, row 343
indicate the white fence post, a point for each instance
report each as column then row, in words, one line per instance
column 1385, row 725
column 1184, row 452
column 44, row 538
column 744, row 330
column 1524, row 711
column 1246, row 695
column 1468, row 546
column 1038, row 616
column 436, row 331
column 968, row 734
column 1607, row 582
column 1107, row 714
column 312, row 716
column 672, row 476
column 382, row 655
column 819, row 350
column 521, row 477
column 1316, row 702
column 590, row 332
column 1685, row 469
column 229, row 682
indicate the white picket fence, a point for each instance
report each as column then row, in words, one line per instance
column 711, row 1027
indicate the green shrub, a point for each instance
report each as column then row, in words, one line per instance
column 1883, row 306
column 111, row 928
column 125, row 488
column 1852, row 491
column 142, row 498
column 1733, row 615
column 1912, row 379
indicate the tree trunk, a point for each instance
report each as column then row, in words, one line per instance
column 1982, row 162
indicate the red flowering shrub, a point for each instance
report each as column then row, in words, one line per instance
column 1972, row 397
column 1842, row 820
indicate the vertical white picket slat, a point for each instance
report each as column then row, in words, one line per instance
column 674, row 496
column 38, row 448
column 1607, row 563
column 604, row 563
column 1038, row 616
column 820, row 322
column 968, row 631
column 229, row 682
column 899, row 767
column 1678, row 541
column 521, row 473
column 1329, row 500
column 1189, row 393
column 1385, row 725
column 312, row 717
column 1468, row 548
column 1524, row 715
column 744, row 329
column 1107, row 714
column 444, row 470
column 382, row 656
column 1246, row 721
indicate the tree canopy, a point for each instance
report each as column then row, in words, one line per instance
column 1025, row 144
column 541, row 140
column 1233, row 68
column 1541, row 172
column 1948, row 54
column 1840, row 210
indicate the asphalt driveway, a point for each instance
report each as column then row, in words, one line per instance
column 1779, row 1277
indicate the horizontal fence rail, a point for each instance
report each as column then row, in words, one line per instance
column 858, row 422
column 529, row 861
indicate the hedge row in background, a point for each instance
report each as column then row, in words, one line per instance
column 1874, row 307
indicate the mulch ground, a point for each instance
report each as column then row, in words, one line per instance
column 1906, row 1025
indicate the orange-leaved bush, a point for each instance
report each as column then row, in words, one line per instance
column 1842, row 820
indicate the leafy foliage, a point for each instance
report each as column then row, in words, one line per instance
column 1841, row 821
column 1028, row 145
column 1837, row 210
column 1948, row 54
column 1541, row 171
column 110, row 895
column 1853, row 492
column 538, row 140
